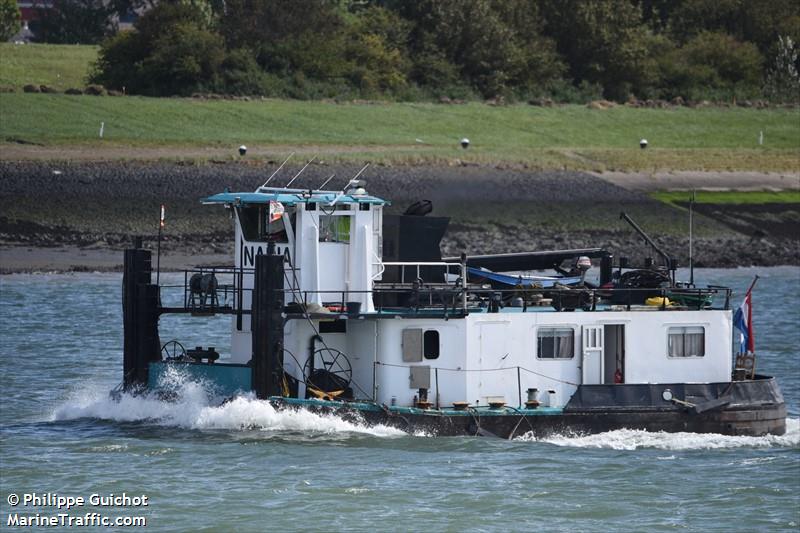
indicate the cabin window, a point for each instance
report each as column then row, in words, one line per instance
column 334, row 228
column 686, row 341
column 248, row 220
column 430, row 344
column 419, row 344
column 333, row 326
column 256, row 226
column 555, row 343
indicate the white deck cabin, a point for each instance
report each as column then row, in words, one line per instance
column 333, row 241
column 331, row 238
column 487, row 357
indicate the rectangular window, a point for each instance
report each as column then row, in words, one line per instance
column 334, row 228
column 555, row 343
column 248, row 220
column 686, row 341
column 333, row 326
column 256, row 226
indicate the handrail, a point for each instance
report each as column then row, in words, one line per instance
column 448, row 297
column 381, row 264
column 518, row 369
column 420, row 263
column 462, row 275
column 479, row 370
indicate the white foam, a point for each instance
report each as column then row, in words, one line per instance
column 109, row 448
column 631, row 439
column 194, row 407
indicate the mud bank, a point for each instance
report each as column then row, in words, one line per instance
column 79, row 215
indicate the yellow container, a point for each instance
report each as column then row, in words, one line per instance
column 657, row 300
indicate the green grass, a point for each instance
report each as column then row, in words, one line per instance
column 58, row 66
column 730, row 197
column 570, row 137
column 567, row 137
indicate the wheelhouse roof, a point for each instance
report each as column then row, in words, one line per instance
column 292, row 197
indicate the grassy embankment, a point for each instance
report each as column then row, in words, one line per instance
column 58, row 66
column 569, row 137
column 729, row 197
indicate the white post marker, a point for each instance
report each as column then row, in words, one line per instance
column 158, row 253
column 761, row 137
column 102, row 127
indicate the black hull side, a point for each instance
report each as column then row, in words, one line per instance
column 748, row 408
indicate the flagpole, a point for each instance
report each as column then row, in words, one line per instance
column 753, row 284
column 751, row 342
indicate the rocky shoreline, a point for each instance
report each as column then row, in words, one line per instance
column 80, row 215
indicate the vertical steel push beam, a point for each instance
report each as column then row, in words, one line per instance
column 267, row 324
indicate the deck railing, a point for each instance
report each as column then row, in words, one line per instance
column 210, row 290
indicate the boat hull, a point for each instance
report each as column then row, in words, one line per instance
column 750, row 407
column 747, row 408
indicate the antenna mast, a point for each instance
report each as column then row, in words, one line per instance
column 278, row 170
column 348, row 184
column 301, row 171
column 326, row 181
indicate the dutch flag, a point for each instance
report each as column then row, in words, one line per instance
column 743, row 321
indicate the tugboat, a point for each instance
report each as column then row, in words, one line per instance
column 337, row 307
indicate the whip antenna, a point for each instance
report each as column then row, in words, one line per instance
column 324, row 183
column 301, row 171
column 278, row 170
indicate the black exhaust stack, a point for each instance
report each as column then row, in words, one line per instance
column 411, row 238
column 267, row 324
column 606, row 269
column 140, row 318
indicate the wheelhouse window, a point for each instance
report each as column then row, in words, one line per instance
column 555, row 343
column 686, row 341
column 257, row 226
column 334, row 228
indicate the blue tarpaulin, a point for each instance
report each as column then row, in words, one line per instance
column 513, row 280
